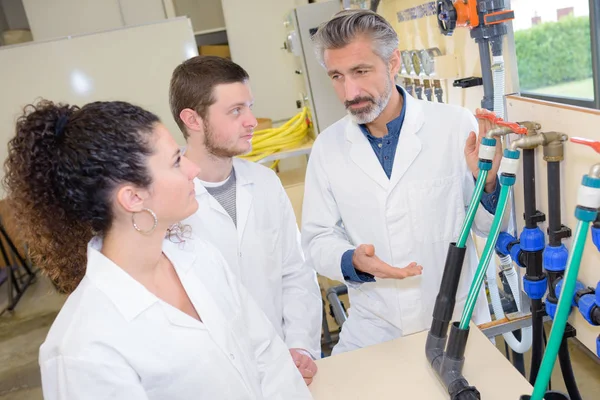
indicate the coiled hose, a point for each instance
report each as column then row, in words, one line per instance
column 292, row 134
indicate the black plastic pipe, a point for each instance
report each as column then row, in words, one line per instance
column 529, row 187
column 567, row 370
column 486, row 75
column 537, row 346
column 448, row 366
column 554, row 217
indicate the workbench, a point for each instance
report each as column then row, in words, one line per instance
column 399, row 370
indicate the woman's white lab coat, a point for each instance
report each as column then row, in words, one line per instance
column 114, row 339
column 413, row 216
column 264, row 252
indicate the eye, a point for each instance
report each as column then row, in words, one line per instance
column 335, row 77
column 177, row 162
column 236, row 111
column 361, row 72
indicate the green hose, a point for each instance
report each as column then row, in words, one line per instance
column 485, row 257
column 562, row 312
column 464, row 233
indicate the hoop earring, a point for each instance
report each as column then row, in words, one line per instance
column 137, row 228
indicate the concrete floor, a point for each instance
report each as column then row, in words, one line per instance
column 22, row 332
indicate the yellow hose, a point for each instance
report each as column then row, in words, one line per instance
column 290, row 135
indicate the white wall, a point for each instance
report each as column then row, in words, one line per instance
column 111, row 65
column 71, row 17
column 137, row 12
column 62, row 18
column 256, row 34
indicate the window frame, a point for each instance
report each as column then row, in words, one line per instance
column 594, row 8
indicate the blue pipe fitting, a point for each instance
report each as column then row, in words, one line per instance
column 532, row 239
column 578, row 286
column 535, row 289
column 590, row 181
column 555, row 258
column 586, row 305
column 514, row 154
column 507, row 180
column 585, row 214
column 484, row 165
column 598, row 294
column 551, row 308
column 596, row 237
column 598, row 346
column 515, row 252
column 505, row 239
column 488, row 142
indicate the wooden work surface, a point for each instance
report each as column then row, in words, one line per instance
column 399, row 370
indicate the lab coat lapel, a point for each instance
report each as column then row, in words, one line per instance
column 202, row 193
column 243, row 201
column 363, row 156
column 210, row 313
column 409, row 144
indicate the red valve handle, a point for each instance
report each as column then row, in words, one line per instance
column 587, row 142
column 516, row 128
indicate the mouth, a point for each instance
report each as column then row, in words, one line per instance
column 359, row 105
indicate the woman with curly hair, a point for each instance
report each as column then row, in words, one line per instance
column 96, row 190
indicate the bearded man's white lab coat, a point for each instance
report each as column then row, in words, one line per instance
column 412, row 216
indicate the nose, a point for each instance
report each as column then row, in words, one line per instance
column 191, row 168
column 251, row 121
column 351, row 88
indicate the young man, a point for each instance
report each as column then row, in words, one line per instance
column 244, row 210
column 386, row 187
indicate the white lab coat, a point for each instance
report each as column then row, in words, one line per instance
column 264, row 252
column 115, row 339
column 413, row 216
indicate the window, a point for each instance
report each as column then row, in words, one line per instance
column 556, row 44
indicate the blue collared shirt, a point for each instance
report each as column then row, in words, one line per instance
column 385, row 150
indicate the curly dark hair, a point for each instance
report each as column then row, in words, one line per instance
column 62, row 168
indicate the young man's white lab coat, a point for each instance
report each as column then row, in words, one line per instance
column 413, row 216
column 264, row 252
column 115, row 339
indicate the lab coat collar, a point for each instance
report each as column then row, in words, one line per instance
column 244, row 187
column 243, row 194
column 409, row 145
column 129, row 296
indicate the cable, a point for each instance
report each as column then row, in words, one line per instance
column 567, row 370
column 292, row 134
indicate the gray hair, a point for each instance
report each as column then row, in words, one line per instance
column 346, row 25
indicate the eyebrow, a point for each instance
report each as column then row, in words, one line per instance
column 353, row 69
column 241, row 104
